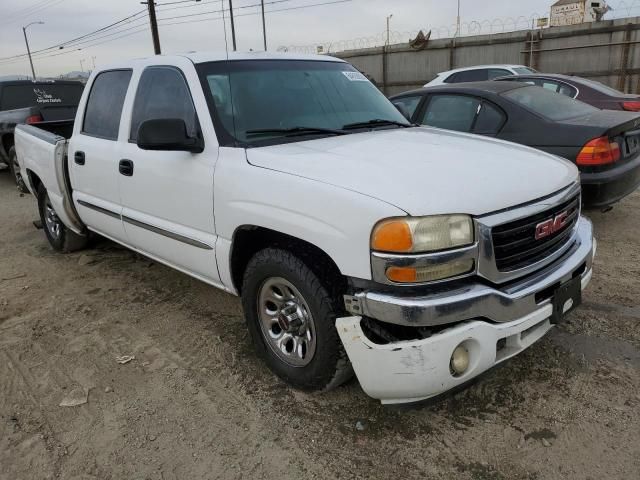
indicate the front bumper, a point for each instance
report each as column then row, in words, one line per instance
column 478, row 299
column 603, row 189
column 493, row 324
column 412, row 371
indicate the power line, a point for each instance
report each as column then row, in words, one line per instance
column 95, row 32
column 32, row 10
column 42, row 53
column 252, row 13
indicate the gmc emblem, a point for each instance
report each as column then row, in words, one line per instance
column 551, row 226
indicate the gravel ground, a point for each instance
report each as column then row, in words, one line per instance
column 196, row 402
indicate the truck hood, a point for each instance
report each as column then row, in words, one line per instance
column 424, row 171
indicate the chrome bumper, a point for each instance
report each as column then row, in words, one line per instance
column 477, row 300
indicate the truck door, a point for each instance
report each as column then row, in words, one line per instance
column 94, row 155
column 167, row 196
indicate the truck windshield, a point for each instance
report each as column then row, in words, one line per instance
column 265, row 102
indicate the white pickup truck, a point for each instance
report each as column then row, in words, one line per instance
column 416, row 257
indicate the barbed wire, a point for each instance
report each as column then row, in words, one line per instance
column 621, row 9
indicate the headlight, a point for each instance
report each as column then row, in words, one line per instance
column 422, row 234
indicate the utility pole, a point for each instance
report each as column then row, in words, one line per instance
column 82, row 60
column 458, row 21
column 233, row 26
column 264, row 28
column 151, row 5
column 388, row 31
column 24, row 31
column 93, row 60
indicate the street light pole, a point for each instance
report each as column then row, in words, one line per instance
column 24, row 32
column 388, row 32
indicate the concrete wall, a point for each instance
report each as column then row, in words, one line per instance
column 606, row 51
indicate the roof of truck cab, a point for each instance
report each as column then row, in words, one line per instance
column 202, row 57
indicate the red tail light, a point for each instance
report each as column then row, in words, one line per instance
column 599, row 151
column 631, row 106
column 33, row 119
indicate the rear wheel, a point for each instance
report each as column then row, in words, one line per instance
column 14, row 167
column 60, row 237
column 291, row 317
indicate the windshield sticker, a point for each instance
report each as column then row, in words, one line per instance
column 44, row 97
column 355, row 76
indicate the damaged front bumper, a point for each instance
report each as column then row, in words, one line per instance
column 492, row 324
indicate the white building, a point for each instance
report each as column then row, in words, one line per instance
column 573, row 12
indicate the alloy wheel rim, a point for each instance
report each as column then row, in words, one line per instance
column 51, row 219
column 286, row 322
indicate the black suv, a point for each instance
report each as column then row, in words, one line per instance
column 25, row 101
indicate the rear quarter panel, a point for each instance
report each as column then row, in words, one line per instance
column 42, row 153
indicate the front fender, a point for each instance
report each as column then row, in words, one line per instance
column 336, row 220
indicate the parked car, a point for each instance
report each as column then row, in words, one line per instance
column 479, row 73
column 605, row 145
column 24, row 101
column 588, row 91
column 419, row 257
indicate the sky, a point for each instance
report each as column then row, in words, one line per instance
column 360, row 22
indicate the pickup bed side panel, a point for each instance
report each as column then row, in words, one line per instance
column 44, row 154
column 336, row 220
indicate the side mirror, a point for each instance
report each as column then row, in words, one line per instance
column 403, row 110
column 167, row 134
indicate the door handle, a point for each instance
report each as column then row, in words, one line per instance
column 78, row 157
column 126, row 167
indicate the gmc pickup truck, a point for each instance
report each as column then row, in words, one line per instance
column 415, row 257
column 24, row 101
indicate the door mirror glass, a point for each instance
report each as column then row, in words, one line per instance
column 167, row 134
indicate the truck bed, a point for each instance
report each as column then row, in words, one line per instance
column 42, row 155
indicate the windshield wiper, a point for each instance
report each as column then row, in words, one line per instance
column 293, row 131
column 377, row 122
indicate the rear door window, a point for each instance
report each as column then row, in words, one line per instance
column 408, row 105
column 497, row 72
column 163, row 93
column 451, row 112
column 477, row 75
column 490, row 120
column 105, row 102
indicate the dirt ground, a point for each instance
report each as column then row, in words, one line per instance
column 197, row 403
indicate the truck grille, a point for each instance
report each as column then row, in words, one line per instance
column 515, row 245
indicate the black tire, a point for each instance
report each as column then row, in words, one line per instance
column 329, row 366
column 14, row 167
column 60, row 237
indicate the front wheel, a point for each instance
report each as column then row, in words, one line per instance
column 60, row 237
column 291, row 319
column 14, row 167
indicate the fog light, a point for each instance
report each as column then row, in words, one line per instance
column 459, row 361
